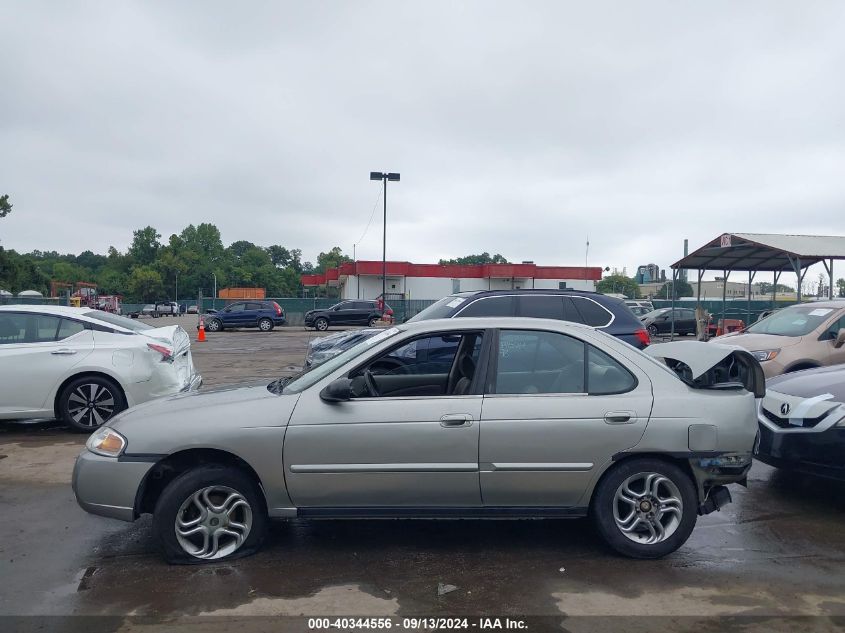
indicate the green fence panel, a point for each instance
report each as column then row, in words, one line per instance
column 733, row 308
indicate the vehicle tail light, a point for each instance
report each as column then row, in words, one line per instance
column 166, row 352
column 643, row 337
column 279, row 311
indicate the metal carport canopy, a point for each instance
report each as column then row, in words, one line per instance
column 763, row 251
column 755, row 252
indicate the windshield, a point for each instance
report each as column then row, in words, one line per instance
column 793, row 321
column 307, row 378
column 440, row 310
column 113, row 319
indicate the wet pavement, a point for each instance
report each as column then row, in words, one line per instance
column 778, row 550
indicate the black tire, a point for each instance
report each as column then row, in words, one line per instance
column 73, row 404
column 214, row 325
column 321, row 324
column 372, row 322
column 187, row 484
column 265, row 325
column 652, row 330
column 602, row 508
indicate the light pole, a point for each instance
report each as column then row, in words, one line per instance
column 214, row 298
column 384, row 177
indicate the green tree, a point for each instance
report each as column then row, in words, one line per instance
column 682, row 289
column 469, row 260
column 840, row 285
column 619, row 284
column 332, row 259
column 145, row 245
column 145, row 283
column 5, row 206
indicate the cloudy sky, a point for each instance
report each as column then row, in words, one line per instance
column 518, row 127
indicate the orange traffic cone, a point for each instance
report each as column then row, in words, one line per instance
column 201, row 334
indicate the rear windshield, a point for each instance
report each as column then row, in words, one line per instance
column 119, row 321
column 443, row 309
column 793, row 321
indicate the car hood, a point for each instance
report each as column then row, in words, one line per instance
column 753, row 342
column 811, row 383
column 197, row 418
column 697, row 355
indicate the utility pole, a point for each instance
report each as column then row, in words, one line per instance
column 384, row 177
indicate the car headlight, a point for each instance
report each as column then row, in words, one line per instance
column 765, row 354
column 106, row 442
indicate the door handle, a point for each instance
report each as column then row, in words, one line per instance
column 63, row 352
column 619, row 417
column 456, row 420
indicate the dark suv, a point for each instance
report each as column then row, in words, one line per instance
column 355, row 312
column 265, row 315
column 580, row 306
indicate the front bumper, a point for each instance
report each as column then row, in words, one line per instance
column 107, row 486
column 821, row 453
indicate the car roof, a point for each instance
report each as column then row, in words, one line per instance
column 475, row 323
column 46, row 309
column 541, row 291
column 835, row 303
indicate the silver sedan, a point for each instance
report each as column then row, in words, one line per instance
column 491, row 418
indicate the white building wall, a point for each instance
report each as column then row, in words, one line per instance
column 433, row 288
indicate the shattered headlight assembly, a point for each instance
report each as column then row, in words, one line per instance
column 765, row 354
column 106, row 442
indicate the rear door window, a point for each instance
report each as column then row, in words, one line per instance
column 534, row 362
column 255, row 306
column 605, row 375
column 540, row 306
column 490, row 307
column 69, row 328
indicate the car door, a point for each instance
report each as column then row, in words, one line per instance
column 415, row 445
column 37, row 351
column 233, row 315
column 556, row 409
column 253, row 312
column 363, row 311
column 346, row 314
column 835, row 355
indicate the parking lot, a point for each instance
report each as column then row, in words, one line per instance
column 777, row 551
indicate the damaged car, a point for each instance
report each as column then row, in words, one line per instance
column 84, row 366
column 802, row 422
column 477, row 417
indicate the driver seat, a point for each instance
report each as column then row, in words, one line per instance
column 466, row 367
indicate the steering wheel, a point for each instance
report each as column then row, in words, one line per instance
column 371, row 383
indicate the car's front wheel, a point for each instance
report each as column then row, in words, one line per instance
column 265, row 325
column 321, row 324
column 87, row 403
column 645, row 508
column 213, row 325
column 211, row 512
column 652, row 330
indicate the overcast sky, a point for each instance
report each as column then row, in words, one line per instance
column 518, row 127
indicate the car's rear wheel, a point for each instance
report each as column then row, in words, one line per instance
column 265, row 325
column 213, row 325
column 211, row 512
column 321, row 324
column 87, row 403
column 652, row 330
column 645, row 508
column 372, row 322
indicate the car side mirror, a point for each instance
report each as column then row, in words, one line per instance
column 839, row 341
column 339, row 390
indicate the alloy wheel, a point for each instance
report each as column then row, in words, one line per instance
column 648, row 508
column 91, row 405
column 213, row 522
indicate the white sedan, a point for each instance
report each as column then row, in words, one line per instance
column 83, row 366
